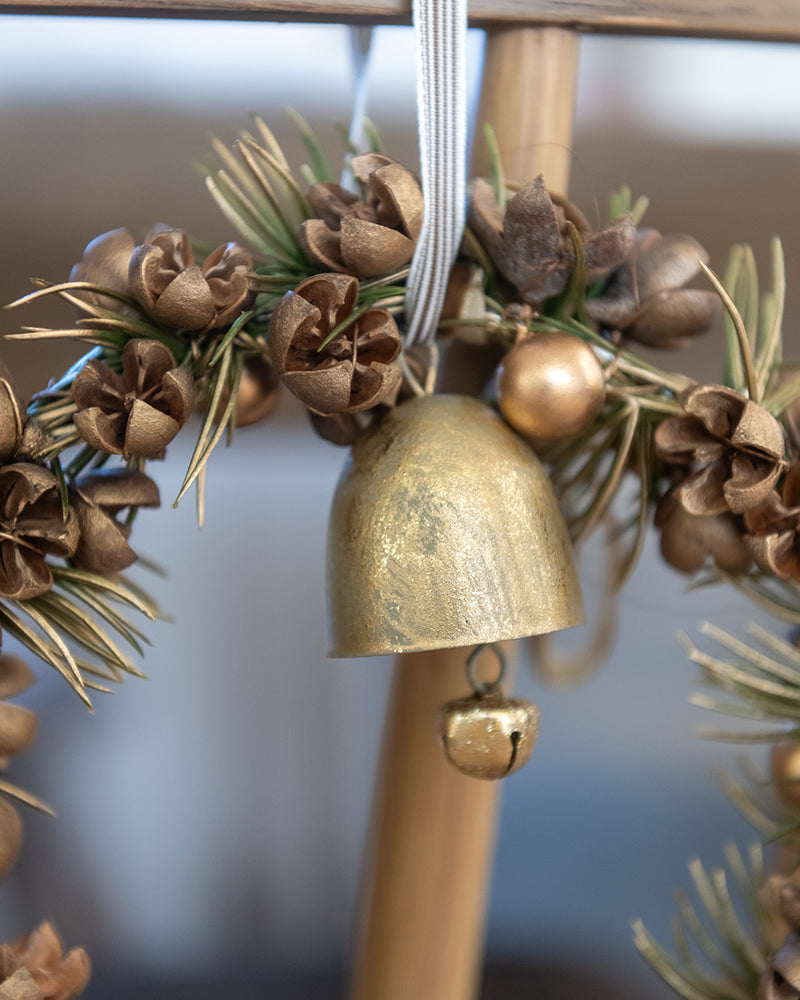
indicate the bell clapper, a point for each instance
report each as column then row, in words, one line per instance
column 485, row 734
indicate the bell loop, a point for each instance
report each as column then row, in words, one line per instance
column 483, row 688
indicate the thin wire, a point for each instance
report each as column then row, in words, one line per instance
column 486, row 687
column 441, row 32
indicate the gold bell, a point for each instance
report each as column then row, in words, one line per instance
column 445, row 532
column 488, row 735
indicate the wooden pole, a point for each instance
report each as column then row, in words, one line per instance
column 431, row 848
column 528, row 97
column 433, row 833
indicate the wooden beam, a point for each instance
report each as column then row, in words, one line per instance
column 766, row 20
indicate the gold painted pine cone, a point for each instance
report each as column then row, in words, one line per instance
column 773, row 529
column 352, row 372
column 17, row 731
column 646, row 299
column 781, row 979
column 35, row 968
column 366, row 236
column 138, row 413
column 97, row 499
column 737, row 444
column 32, row 527
column 162, row 276
column 687, row 540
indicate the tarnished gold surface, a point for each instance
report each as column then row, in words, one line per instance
column 445, row 532
column 488, row 736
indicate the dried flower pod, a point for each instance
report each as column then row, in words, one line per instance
column 39, row 958
column 138, row 413
column 10, row 837
column 97, row 499
column 687, row 540
column 370, row 236
column 773, row 529
column 352, row 372
column 106, row 262
column 737, row 444
column 531, row 246
column 781, row 979
column 17, row 731
column 645, row 298
column 342, row 429
column 174, row 290
column 32, row 526
column 12, row 415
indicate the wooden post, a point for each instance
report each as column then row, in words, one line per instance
column 431, row 849
column 528, row 97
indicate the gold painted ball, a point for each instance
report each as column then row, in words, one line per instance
column 488, row 735
column 785, row 768
column 550, row 386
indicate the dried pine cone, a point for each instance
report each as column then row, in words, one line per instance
column 530, row 245
column 162, row 277
column 738, row 445
column 351, row 373
column 645, row 298
column 32, row 526
column 370, row 236
column 179, row 293
column 136, row 414
column 781, row 979
column 773, row 529
column 687, row 540
column 17, row 732
column 97, row 499
column 19, row 437
column 35, row 968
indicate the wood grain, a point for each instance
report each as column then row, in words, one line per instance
column 769, row 20
column 539, row 67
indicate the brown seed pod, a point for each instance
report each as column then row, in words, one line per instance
column 36, row 968
column 365, row 236
column 10, row 836
column 550, row 386
column 353, row 371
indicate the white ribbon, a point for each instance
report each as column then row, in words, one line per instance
column 441, row 33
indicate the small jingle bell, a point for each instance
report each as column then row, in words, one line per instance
column 488, row 735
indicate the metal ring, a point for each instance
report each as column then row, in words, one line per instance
column 485, row 687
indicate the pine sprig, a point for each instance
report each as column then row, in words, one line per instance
column 80, row 615
column 718, row 955
column 761, row 683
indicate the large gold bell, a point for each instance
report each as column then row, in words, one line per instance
column 445, row 532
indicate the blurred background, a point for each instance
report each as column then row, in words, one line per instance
column 211, row 819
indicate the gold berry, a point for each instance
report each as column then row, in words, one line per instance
column 550, row 386
column 785, row 767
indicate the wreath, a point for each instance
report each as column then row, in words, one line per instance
column 312, row 301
